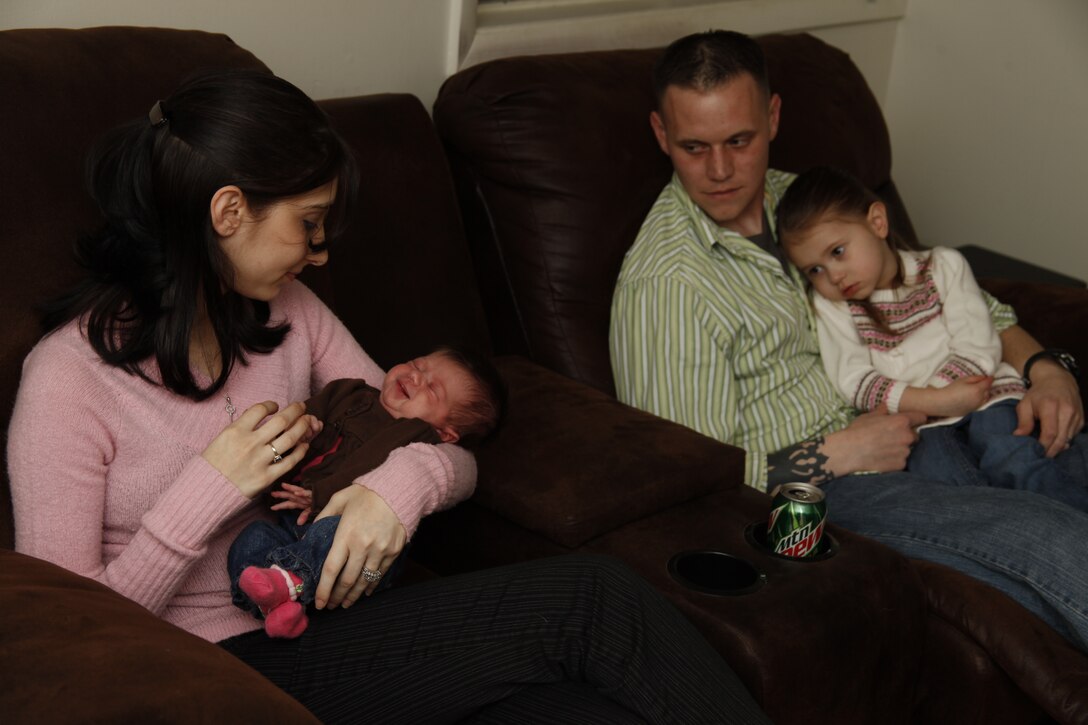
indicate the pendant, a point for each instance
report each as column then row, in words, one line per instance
column 231, row 410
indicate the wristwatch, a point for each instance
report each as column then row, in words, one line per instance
column 1063, row 358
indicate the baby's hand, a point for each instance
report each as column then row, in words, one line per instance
column 964, row 396
column 315, row 428
column 295, row 497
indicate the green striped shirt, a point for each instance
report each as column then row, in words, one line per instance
column 710, row 331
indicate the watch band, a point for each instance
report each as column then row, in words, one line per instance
column 1062, row 357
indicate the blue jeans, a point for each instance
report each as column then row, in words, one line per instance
column 1028, row 546
column 300, row 550
column 980, row 450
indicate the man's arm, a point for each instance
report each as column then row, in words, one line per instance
column 666, row 362
column 875, row 441
column 1053, row 398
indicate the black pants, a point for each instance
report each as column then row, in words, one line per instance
column 570, row 639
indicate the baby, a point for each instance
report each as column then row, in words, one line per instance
column 447, row 396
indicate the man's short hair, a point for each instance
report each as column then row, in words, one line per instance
column 704, row 61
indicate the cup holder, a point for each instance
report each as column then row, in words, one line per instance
column 756, row 535
column 715, row 572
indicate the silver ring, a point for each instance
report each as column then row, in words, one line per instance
column 372, row 575
column 277, row 457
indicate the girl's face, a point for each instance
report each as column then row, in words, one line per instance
column 845, row 258
column 270, row 247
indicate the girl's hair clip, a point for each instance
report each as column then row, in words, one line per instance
column 156, row 116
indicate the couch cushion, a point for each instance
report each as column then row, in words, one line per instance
column 401, row 278
column 572, row 463
column 73, row 650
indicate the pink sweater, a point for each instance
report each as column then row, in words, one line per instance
column 107, row 478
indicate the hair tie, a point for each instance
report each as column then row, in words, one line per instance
column 156, row 116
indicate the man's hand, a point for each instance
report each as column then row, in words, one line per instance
column 1054, row 400
column 875, row 441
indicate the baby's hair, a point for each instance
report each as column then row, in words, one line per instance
column 826, row 191
column 476, row 417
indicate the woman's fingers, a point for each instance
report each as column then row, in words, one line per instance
column 381, row 570
column 368, row 537
column 289, row 433
column 262, row 445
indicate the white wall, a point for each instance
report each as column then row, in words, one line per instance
column 988, row 109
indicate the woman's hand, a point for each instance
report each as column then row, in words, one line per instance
column 369, row 536
column 247, row 449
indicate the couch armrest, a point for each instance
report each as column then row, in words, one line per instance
column 73, row 650
column 571, row 463
column 1050, row 671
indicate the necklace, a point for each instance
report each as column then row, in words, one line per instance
column 210, row 370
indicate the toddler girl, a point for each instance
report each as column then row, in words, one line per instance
column 910, row 330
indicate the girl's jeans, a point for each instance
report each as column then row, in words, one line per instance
column 980, row 450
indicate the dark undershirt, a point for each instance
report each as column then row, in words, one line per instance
column 765, row 241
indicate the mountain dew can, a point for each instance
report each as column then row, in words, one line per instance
column 795, row 527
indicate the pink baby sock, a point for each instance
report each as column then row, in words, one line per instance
column 274, row 591
column 288, row 621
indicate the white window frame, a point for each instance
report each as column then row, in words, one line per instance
column 483, row 31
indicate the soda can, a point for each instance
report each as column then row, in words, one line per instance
column 795, row 527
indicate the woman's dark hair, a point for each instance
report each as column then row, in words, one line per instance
column 824, row 191
column 477, row 417
column 156, row 261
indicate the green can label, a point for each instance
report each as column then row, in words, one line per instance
column 795, row 527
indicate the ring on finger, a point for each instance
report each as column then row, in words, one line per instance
column 276, row 457
column 372, row 575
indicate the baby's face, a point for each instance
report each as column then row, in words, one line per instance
column 427, row 388
column 843, row 259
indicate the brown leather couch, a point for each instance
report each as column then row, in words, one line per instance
column 556, row 167
column 861, row 636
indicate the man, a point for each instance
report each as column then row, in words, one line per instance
column 711, row 328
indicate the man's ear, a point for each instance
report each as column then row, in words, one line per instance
column 878, row 219
column 447, row 434
column 773, row 111
column 227, row 208
column 658, row 125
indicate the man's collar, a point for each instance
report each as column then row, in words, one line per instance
column 710, row 232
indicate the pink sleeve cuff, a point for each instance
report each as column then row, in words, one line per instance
column 193, row 509
column 419, row 479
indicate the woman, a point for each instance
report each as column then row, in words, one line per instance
column 159, row 406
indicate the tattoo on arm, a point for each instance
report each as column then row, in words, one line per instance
column 803, row 462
